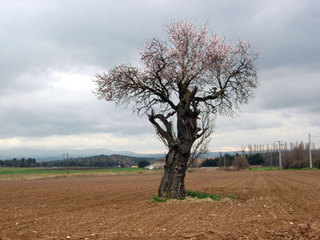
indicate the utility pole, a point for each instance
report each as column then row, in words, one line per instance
column 67, row 164
column 243, row 151
column 280, row 161
column 269, row 151
column 310, row 154
column 224, row 160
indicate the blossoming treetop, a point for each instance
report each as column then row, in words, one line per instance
column 184, row 81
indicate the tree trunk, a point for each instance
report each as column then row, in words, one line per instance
column 172, row 182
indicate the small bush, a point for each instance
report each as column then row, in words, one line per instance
column 240, row 162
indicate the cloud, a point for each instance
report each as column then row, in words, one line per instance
column 51, row 50
column 284, row 31
column 145, row 143
column 264, row 127
column 290, row 87
column 64, row 105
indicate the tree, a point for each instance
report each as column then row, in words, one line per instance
column 183, row 83
column 22, row 162
column 210, row 163
column 143, row 164
column 255, row 159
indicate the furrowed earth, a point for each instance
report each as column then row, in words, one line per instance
column 266, row 205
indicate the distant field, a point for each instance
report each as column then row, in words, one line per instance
column 33, row 172
column 277, row 168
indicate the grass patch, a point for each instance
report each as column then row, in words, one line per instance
column 194, row 194
column 159, row 199
column 264, row 168
column 231, row 196
column 203, row 195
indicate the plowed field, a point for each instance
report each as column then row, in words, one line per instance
column 267, row 205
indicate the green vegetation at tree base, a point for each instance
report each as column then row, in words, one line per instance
column 195, row 194
column 159, row 199
column 202, row 195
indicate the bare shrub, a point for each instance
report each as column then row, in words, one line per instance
column 297, row 158
column 316, row 158
column 240, row 162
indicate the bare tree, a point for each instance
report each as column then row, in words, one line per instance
column 184, row 80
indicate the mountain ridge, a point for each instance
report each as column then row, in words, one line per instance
column 61, row 153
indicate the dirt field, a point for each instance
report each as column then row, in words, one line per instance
column 268, row 205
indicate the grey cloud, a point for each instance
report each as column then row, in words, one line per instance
column 246, row 121
column 65, row 33
column 78, row 31
column 38, row 36
column 64, row 119
column 290, row 88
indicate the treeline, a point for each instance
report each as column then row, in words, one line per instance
column 29, row 162
column 256, row 148
column 100, row 161
column 227, row 160
column 297, row 156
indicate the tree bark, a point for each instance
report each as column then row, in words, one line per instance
column 172, row 182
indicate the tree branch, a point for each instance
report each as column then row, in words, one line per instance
column 166, row 134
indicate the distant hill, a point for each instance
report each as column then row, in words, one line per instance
column 60, row 154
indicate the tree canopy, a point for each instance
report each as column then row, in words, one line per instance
column 182, row 82
column 204, row 70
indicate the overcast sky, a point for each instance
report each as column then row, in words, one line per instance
column 51, row 50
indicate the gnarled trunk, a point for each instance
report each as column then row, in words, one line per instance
column 172, row 182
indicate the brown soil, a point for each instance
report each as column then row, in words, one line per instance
column 268, row 205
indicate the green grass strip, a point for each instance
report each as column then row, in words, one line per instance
column 264, row 168
column 5, row 171
column 203, row 195
column 159, row 199
column 195, row 194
